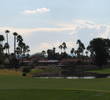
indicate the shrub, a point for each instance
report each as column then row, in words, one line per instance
column 25, row 70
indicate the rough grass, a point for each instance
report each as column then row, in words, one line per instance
column 9, row 72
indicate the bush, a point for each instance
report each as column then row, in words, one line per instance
column 23, row 74
column 25, row 71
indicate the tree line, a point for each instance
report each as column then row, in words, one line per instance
column 98, row 50
column 20, row 48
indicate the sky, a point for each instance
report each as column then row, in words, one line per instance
column 47, row 23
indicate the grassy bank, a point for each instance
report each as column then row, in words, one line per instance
column 102, row 71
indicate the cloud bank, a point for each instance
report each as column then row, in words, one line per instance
column 76, row 26
column 78, row 29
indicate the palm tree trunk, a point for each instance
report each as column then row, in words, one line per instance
column 7, row 43
column 14, row 44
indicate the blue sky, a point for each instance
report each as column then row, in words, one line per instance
column 47, row 23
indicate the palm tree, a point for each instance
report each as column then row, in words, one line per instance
column 1, row 39
column 18, row 51
column 15, row 35
column 25, row 49
column 64, row 46
column 1, row 43
column 22, row 51
column 72, row 51
column 81, row 47
column 86, row 53
column 21, row 45
column 60, row 47
column 54, row 50
column 6, row 46
column 7, row 32
column 43, row 53
column 75, row 52
column 19, row 38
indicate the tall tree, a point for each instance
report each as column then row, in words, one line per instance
column 54, row 50
column 43, row 53
column 100, row 50
column 15, row 36
column 19, row 38
column 7, row 43
column 64, row 46
column 1, row 39
column 50, row 54
column 26, row 49
column 72, row 51
column 6, row 47
column 1, row 43
column 86, row 52
column 81, row 48
column 19, row 49
column 60, row 47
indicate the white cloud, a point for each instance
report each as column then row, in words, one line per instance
column 101, row 30
column 37, row 11
column 29, row 31
column 77, row 29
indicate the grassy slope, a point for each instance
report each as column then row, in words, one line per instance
column 102, row 71
column 22, row 88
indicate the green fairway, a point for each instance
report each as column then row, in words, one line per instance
column 24, row 88
column 102, row 71
column 52, row 95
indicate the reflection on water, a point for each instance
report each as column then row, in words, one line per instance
column 88, row 77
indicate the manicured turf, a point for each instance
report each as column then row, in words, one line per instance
column 52, row 95
column 102, row 71
column 24, row 88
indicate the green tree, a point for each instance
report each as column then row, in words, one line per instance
column 26, row 49
column 50, row 54
column 99, row 49
column 81, row 48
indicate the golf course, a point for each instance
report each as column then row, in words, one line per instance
column 17, row 87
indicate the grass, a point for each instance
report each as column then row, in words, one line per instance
column 44, row 70
column 15, row 87
column 51, row 95
column 9, row 72
column 102, row 71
